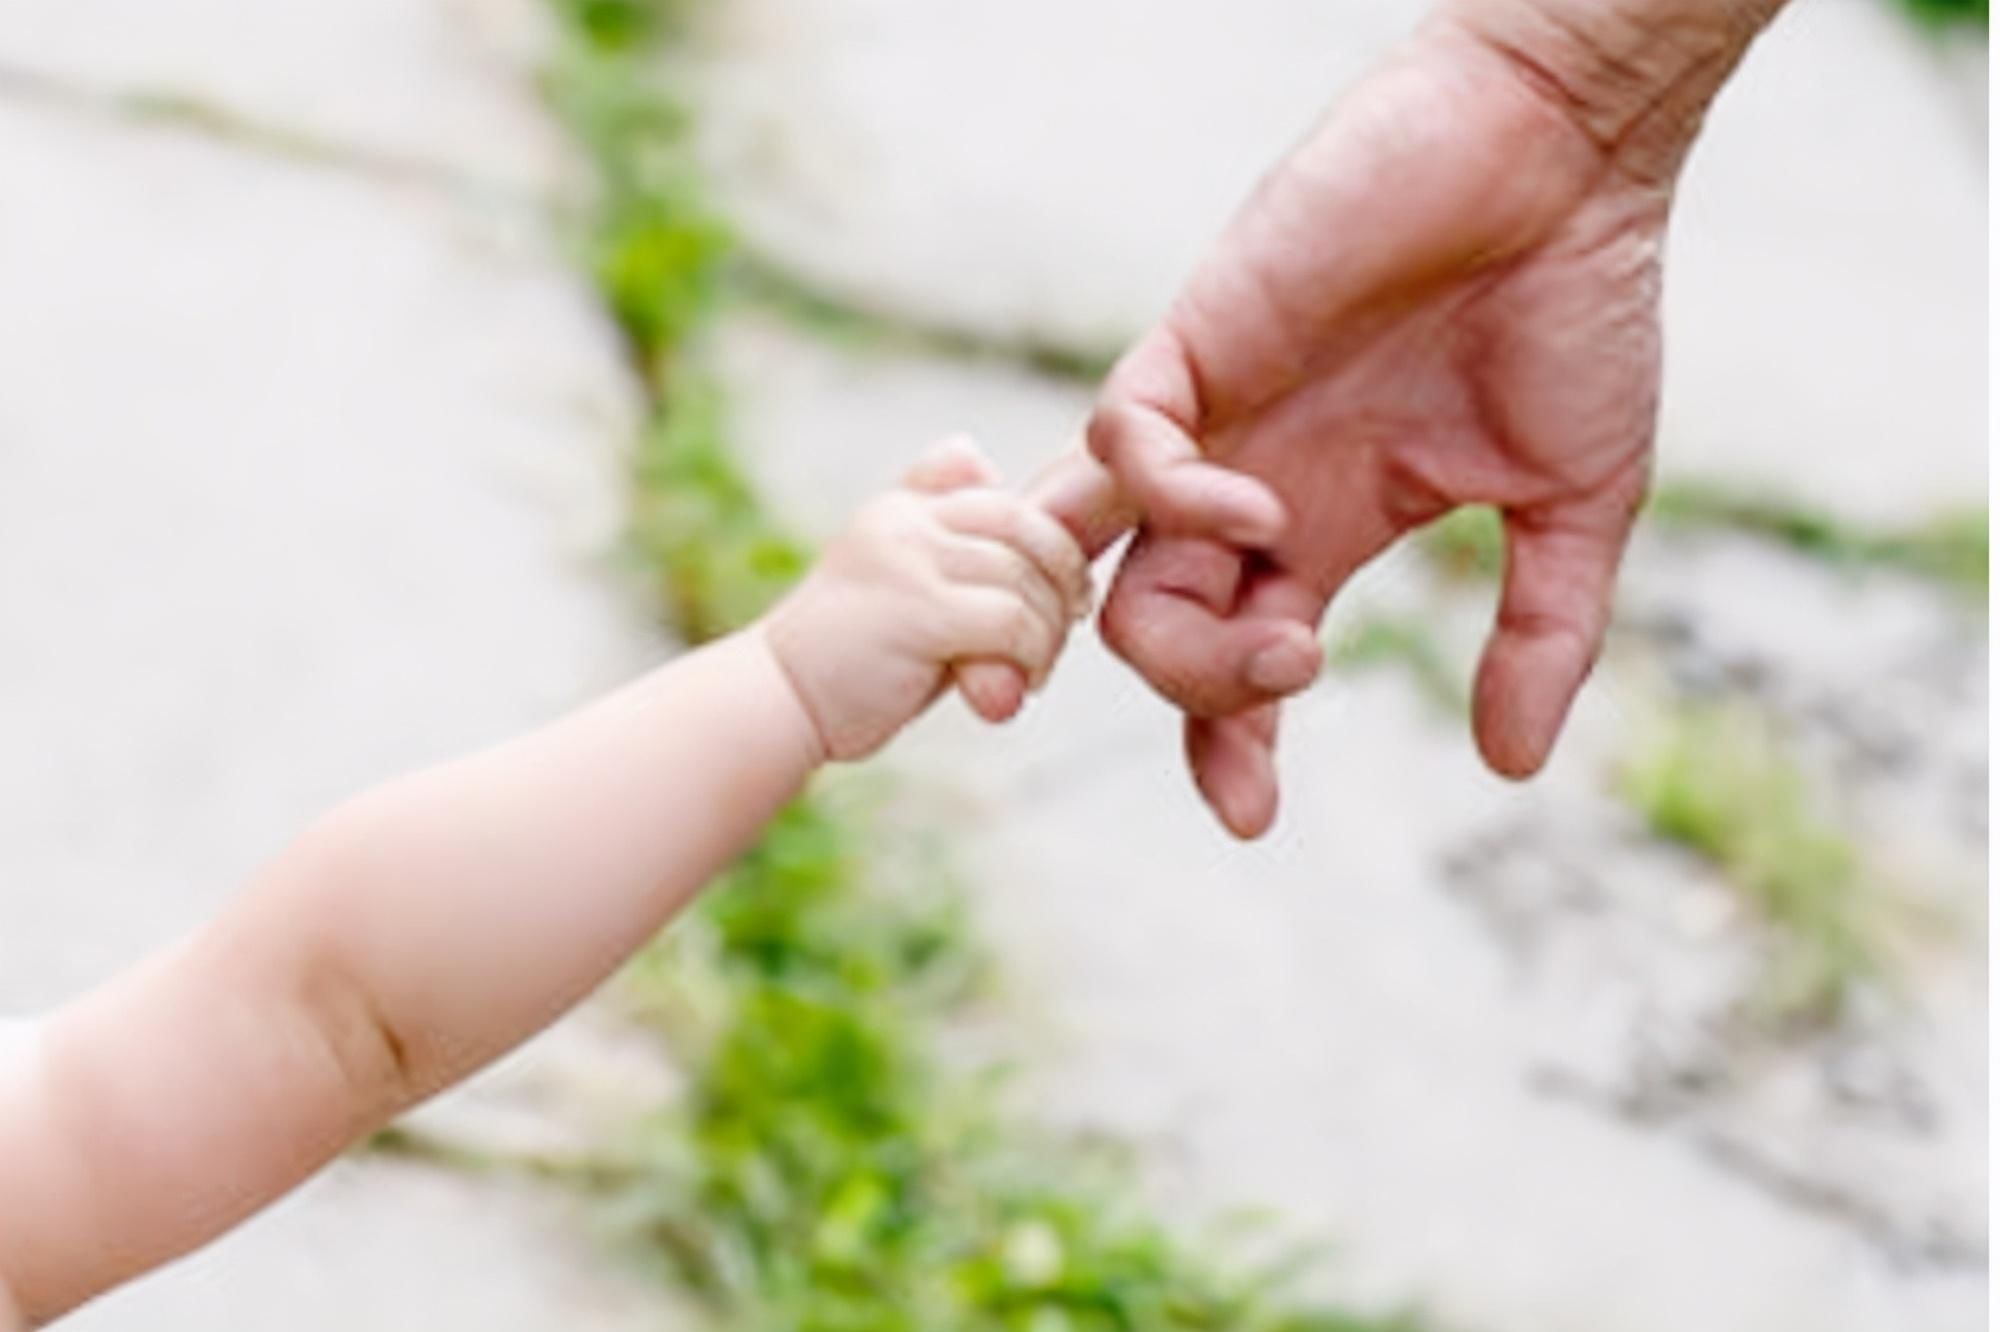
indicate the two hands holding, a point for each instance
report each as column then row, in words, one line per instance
column 1447, row 294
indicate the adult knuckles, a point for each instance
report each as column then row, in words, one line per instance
column 1127, row 628
column 1108, row 434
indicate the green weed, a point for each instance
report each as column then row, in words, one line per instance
column 824, row 1172
column 1716, row 779
column 1950, row 549
column 1944, row 13
column 1466, row 544
column 655, row 250
column 717, row 558
column 614, row 27
column 1469, row 542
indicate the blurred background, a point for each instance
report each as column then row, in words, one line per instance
column 387, row 375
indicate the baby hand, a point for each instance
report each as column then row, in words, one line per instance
column 947, row 568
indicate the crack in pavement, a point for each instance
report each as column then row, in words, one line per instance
column 172, row 111
column 1935, row 1246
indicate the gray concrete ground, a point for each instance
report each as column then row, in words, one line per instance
column 1053, row 168
column 308, row 474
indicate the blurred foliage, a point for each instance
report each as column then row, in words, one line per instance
column 1950, row 549
column 716, row 557
column 654, row 248
column 1466, row 544
column 620, row 27
column 1944, row 12
column 658, row 255
column 1715, row 778
column 1408, row 643
column 825, row 1170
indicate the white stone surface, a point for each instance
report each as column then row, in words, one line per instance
column 1826, row 321
column 394, row 1248
column 448, row 83
column 1054, row 167
column 304, row 481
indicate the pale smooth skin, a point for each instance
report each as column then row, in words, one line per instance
column 420, row 931
column 1447, row 294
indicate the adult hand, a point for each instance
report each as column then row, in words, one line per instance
column 1447, row 294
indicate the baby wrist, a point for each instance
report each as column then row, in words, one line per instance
column 777, row 651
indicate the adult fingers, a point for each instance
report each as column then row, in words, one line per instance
column 1555, row 603
column 1080, row 493
column 1158, row 465
column 1234, row 766
column 1233, row 759
column 1179, row 614
column 1145, row 431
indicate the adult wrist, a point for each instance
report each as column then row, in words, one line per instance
column 1634, row 76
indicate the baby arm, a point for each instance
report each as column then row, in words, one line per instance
column 425, row 928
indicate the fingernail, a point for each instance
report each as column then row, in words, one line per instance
column 1284, row 667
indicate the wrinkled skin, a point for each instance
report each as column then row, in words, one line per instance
column 1447, row 294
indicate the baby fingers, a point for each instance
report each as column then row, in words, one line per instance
column 976, row 561
column 1025, row 529
column 983, row 620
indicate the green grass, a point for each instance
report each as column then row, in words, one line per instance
column 652, row 245
column 616, row 27
column 1950, row 549
column 658, row 256
column 1947, row 12
column 1466, row 544
column 1716, row 779
column 825, row 1169
column 716, row 557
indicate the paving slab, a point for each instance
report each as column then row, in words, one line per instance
column 444, row 83
column 305, row 480
column 1053, row 168
column 1437, row 1022
column 392, row 1247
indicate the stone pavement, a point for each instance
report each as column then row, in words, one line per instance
column 1472, row 1038
column 309, row 471
column 1053, row 168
